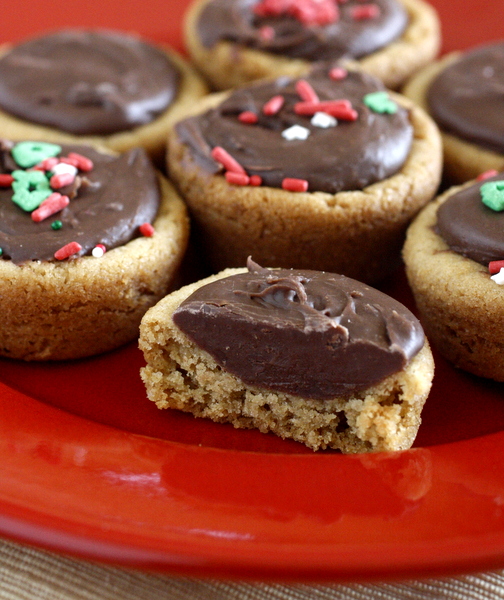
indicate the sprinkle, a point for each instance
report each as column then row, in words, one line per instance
column 98, row 251
column 50, row 206
column 341, row 109
column 29, row 154
column 146, row 229
column 266, row 33
column 84, row 163
column 6, row 180
column 273, row 106
column 498, row 277
column 365, row 11
column 61, row 180
column 237, row 178
column 66, row 160
column 255, row 180
column 48, row 164
column 1, row 251
column 296, row 132
column 338, row 73
column 56, row 225
column 67, row 251
column 31, row 188
column 492, row 195
column 294, row 185
column 380, row 102
column 487, row 175
column 321, row 119
column 305, row 91
column 227, row 161
column 248, row 117
column 63, row 167
column 495, row 266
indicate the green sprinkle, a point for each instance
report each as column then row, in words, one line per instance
column 56, row 225
column 31, row 188
column 492, row 195
column 29, row 154
column 380, row 102
column 1, row 251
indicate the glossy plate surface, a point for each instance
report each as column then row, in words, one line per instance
column 88, row 466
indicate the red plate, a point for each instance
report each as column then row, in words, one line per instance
column 88, row 466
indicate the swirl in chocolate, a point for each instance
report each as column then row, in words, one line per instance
column 469, row 227
column 347, row 156
column 347, row 36
column 107, row 206
column 87, row 82
column 467, row 98
column 313, row 334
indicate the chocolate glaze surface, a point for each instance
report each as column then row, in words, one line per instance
column 467, row 98
column 313, row 334
column 87, row 82
column 349, row 156
column 469, row 227
column 234, row 20
column 114, row 199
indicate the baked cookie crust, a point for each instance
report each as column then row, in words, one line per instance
column 227, row 64
column 77, row 308
column 461, row 308
column 180, row 375
column 463, row 160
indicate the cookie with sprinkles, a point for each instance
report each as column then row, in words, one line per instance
column 454, row 255
column 89, row 241
column 233, row 42
column 326, row 176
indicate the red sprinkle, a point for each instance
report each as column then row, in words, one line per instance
column 273, row 106
column 294, row 185
column 83, row 162
column 61, row 180
column 487, row 175
column 6, row 180
column 365, row 11
column 227, row 161
column 266, row 33
column 341, row 109
column 255, row 180
column 47, row 164
column 70, row 161
column 237, row 178
column 306, row 92
column 247, row 116
column 338, row 73
column 495, row 266
column 147, row 230
column 67, row 250
column 51, row 205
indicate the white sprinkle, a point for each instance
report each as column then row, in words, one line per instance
column 499, row 277
column 98, row 252
column 61, row 168
column 322, row 119
column 296, row 132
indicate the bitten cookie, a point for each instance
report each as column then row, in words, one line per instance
column 463, row 94
column 310, row 356
column 94, row 87
column 316, row 173
column 88, row 242
column 234, row 42
column 453, row 253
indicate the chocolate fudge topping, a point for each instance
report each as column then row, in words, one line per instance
column 107, row 206
column 346, row 36
column 347, row 156
column 87, row 82
column 309, row 333
column 467, row 98
column 469, row 227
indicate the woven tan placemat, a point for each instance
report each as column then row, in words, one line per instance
column 29, row 574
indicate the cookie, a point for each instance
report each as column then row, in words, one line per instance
column 94, row 87
column 310, row 356
column 234, row 42
column 462, row 94
column 329, row 184
column 88, row 242
column 452, row 255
